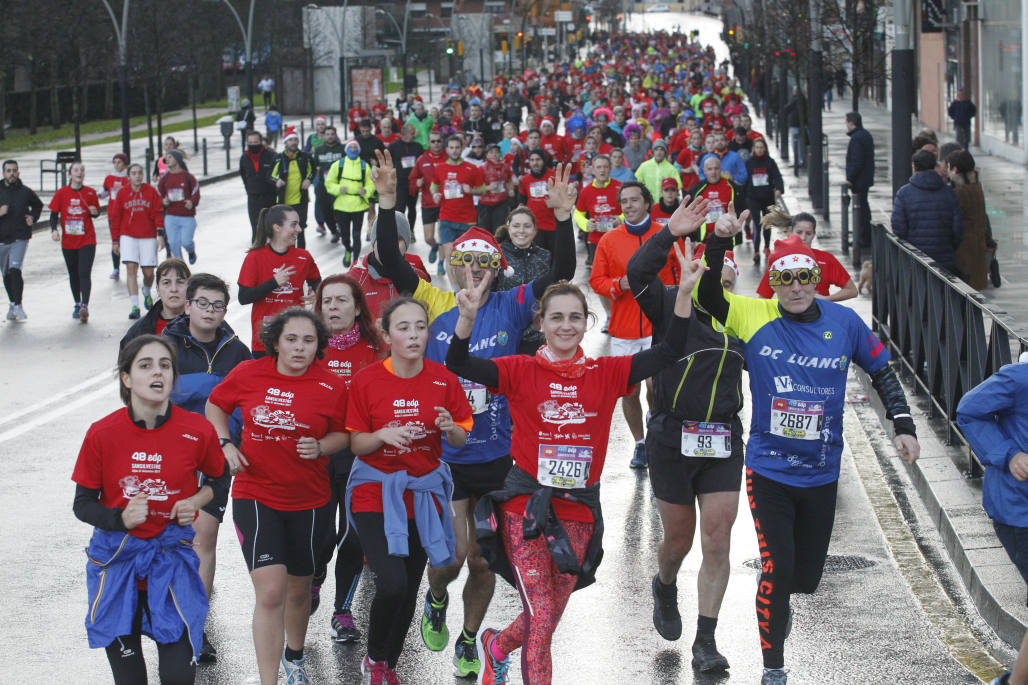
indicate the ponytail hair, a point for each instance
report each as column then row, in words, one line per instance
column 266, row 221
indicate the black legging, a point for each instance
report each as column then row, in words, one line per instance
column 323, row 207
column 349, row 224
column 125, row 655
column 758, row 208
column 794, row 527
column 405, row 202
column 491, row 217
column 301, row 211
column 254, row 205
column 15, row 285
column 350, row 557
column 80, row 271
column 115, row 260
column 397, row 580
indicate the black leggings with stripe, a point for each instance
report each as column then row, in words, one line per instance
column 125, row 654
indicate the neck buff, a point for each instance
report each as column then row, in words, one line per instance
column 565, row 368
column 344, row 341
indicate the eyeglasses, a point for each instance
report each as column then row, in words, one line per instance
column 485, row 260
column 204, row 303
column 787, row 276
column 477, row 147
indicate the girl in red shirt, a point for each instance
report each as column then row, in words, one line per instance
column 353, row 344
column 561, row 403
column 136, row 485
column 399, row 412
column 72, row 210
column 274, row 270
column 293, row 415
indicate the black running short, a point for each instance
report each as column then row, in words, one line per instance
column 677, row 479
column 271, row 536
column 475, row 480
column 216, row 507
column 429, row 215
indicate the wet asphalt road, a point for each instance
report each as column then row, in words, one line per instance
column 863, row 626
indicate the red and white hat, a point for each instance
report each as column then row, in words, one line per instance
column 792, row 253
column 477, row 239
column 730, row 262
column 322, row 118
column 548, row 120
column 290, row 132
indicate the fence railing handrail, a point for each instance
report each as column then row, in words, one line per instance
column 945, row 333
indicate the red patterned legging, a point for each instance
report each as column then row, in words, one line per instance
column 544, row 594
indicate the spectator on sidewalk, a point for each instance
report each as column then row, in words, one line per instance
column 273, row 125
column 20, row 207
column 796, row 117
column 860, row 173
column 926, row 214
column 267, row 88
column 246, row 115
column 994, row 419
column 961, row 111
column 971, row 253
column 255, row 165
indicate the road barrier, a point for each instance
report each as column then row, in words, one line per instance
column 943, row 332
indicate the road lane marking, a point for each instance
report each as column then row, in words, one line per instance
column 48, row 416
column 106, row 376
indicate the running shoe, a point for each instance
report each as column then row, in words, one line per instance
column 378, row 673
column 315, row 598
column 465, row 659
column 1001, row 680
column 134, row 313
column 441, row 269
column 296, row 671
column 208, row 655
column 666, row 618
column 433, row 623
column 433, row 254
column 638, row 456
column 335, row 238
column 347, row 258
column 413, row 238
column 343, row 628
column 83, row 313
column 705, row 656
column 192, row 257
column 115, row 275
column 148, row 302
column 75, row 312
column 774, row 676
column 10, row 313
column 756, row 259
column 321, row 230
column 19, row 313
column 493, row 672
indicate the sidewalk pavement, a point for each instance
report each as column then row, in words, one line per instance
column 952, row 500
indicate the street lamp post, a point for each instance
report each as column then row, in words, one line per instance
column 403, row 38
column 341, row 37
column 247, row 32
column 120, row 33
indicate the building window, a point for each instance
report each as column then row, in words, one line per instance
column 1002, row 77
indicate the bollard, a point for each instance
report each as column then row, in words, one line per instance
column 857, row 247
column 204, row 156
column 303, row 135
column 824, row 183
column 149, row 162
column 228, row 152
column 845, row 218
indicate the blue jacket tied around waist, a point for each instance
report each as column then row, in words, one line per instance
column 435, row 528
column 175, row 594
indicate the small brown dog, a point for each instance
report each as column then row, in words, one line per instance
column 865, row 277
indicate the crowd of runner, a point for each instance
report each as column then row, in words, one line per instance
column 399, row 415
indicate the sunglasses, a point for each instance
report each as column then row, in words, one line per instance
column 484, row 259
column 787, row 276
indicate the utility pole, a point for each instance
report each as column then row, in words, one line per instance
column 815, row 157
column 121, row 35
column 902, row 92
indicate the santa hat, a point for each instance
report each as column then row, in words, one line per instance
column 476, row 239
column 322, row 118
column 547, row 120
column 792, row 253
column 697, row 253
column 290, row 133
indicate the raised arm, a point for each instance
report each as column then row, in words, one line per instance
column 710, row 293
column 560, row 198
column 458, row 357
column 394, row 266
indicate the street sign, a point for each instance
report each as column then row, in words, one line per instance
column 547, row 31
column 562, row 16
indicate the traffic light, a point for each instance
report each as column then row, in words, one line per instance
column 460, row 48
column 449, row 47
column 517, row 40
column 588, row 17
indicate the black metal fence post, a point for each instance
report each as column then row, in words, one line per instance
column 845, row 218
column 204, row 156
column 824, row 183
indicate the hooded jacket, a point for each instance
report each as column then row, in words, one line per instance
column 860, row 160
column 200, row 371
column 21, row 202
column 255, row 170
column 926, row 214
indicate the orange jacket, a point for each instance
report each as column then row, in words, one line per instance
column 611, row 263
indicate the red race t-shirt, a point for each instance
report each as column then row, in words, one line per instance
column 380, row 398
column 113, row 183
column 496, row 177
column 536, row 191
column 600, row 203
column 76, row 222
column 658, row 215
column 832, row 273
column 346, row 363
column 122, row 460
column 261, row 265
column 457, row 205
column 278, row 410
column 561, row 424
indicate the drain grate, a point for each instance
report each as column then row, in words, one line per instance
column 836, row 563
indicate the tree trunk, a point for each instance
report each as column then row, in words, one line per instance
column 109, row 95
column 55, row 101
column 33, row 100
column 3, row 105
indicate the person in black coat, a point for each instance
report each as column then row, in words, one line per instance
column 860, row 173
column 255, row 167
column 405, row 152
column 961, row 111
column 926, row 213
column 20, row 207
column 764, row 186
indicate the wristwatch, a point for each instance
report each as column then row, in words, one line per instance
column 224, row 441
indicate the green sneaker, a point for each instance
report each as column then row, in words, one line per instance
column 465, row 659
column 433, row 623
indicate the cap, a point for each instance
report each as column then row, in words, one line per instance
column 669, row 183
column 122, row 156
column 660, row 142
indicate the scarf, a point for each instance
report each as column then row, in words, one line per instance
column 344, row 341
column 565, row 368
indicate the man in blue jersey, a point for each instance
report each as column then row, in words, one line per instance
column 798, row 351
column 481, row 465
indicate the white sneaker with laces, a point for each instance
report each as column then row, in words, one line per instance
column 19, row 313
column 296, row 671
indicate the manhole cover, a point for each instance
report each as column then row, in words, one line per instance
column 836, row 563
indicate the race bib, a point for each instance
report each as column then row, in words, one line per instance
column 702, row 439
column 760, row 179
column 564, row 466
column 75, row 227
column 797, row 419
column 714, row 212
column 662, row 221
column 407, row 162
column 176, row 194
column 452, row 190
column 537, row 189
column 478, row 396
column 604, row 223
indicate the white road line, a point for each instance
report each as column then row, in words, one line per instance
column 49, row 416
column 104, row 377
